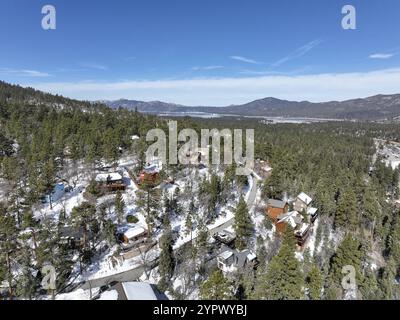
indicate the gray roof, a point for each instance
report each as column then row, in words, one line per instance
column 277, row 203
column 239, row 257
column 70, row 232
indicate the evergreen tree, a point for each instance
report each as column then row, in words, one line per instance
column 216, row 287
column 388, row 280
column 148, row 201
column 8, row 246
column 261, row 251
column 26, row 285
column 346, row 213
column 283, row 279
column 166, row 264
column 243, row 225
column 314, row 283
column 202, row 242
column 119, row 206
column 349, row 253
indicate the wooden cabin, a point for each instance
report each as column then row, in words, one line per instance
column 134, row 236
column 110, row 182
column 276, row 208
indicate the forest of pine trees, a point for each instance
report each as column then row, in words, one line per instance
column 44, row 138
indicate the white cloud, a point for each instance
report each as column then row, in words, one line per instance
column 226, row 91
column 207, row 68
column 299, row 52
column 244, row 59
column 24, row 73
column 95, row 66
column 382, row 55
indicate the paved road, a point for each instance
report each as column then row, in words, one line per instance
column 135, row 273
column 130, row 275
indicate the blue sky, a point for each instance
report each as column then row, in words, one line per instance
column 202, row 52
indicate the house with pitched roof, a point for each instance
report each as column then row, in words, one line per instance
column 303, row 203
column 231, row 260
column 276, row 208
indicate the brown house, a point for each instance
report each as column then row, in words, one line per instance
column 276, row 208
column 110, row 182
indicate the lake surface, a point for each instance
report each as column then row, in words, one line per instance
column 206, row 115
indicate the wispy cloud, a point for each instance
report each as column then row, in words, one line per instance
column 226, row 91
column 382, row 55
column 24, row 73
column 299, row 52
column 207, row 68
column 95, row 66
column 292, row 72
column 244, row 59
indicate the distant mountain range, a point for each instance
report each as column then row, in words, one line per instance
column 379, row 107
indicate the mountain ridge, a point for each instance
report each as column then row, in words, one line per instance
column 377, row 107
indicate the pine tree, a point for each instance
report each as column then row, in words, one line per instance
column 26, row 285
column 202, row 242
column 166, row 264
column 283, row 279
column 148, row 201
column 261, row 251
column 314, row 283
column 215, row 195
column 47, row 180
column 8, row 245
column 119, row 206
column 83, row 217
column 243, row 225
column 273, row 187
column 216, row 287
column 388, row 280
column 110, row 231
column 346, row 213
column 371, row 209
column 348, row 253
column 369, row 288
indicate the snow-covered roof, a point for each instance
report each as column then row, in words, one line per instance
column 109, row 295
column 151, row 168
column 266, row 168
column 112, row 176
column 276, row 203
column 394, row 164
column 305, row 198
column 134, row 232
column 139, row 291
column 226, row 255
column 251, row 256
column 303, row 228
column 312, row 211
column 292, row 218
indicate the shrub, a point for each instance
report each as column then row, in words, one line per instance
column 132, row 219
